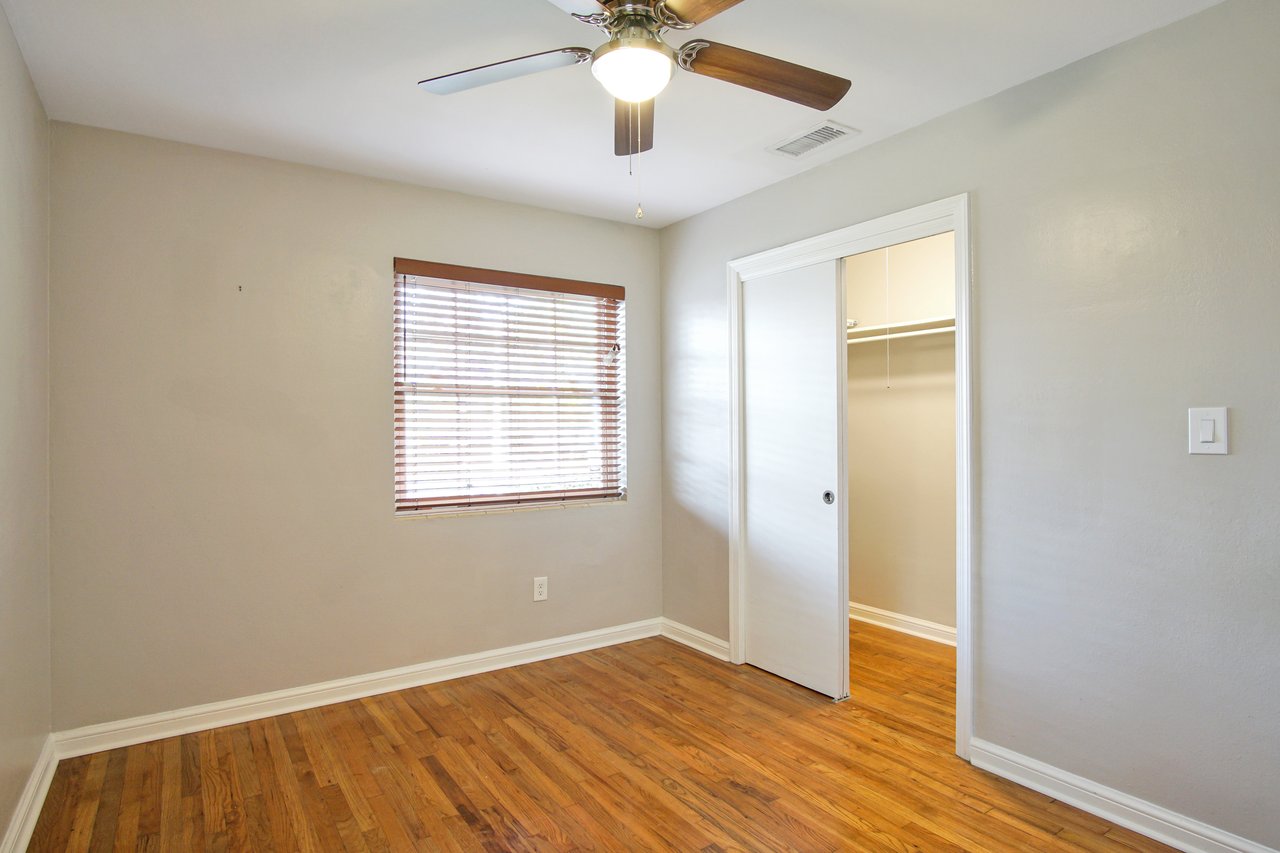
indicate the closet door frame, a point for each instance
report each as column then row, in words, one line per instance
column 939, row 217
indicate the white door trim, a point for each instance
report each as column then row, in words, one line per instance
column 939, row 217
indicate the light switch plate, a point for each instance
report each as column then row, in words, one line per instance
column 1207, row 431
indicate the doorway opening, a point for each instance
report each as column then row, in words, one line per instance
column 909, row 329
column 901, row 433
column 900, row 334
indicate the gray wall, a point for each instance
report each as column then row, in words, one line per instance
column 24, row 424
column 221, row 398
column 1126, row 212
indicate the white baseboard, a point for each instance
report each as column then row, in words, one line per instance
column 695, row 639
column 1118, row 807
column 27, row 812
column 183, row 721
column 902, row 623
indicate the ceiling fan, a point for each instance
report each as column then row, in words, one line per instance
column 635, row 64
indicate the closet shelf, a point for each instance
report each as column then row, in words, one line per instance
column 913, row 328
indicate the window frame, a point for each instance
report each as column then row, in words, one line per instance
column 614, row 491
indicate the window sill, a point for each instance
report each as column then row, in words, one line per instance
column 454, row 512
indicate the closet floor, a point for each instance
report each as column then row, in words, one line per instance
column 647, row 745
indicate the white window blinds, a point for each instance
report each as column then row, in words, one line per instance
column 509, row 389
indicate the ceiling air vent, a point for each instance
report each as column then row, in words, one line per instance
column 822, row 135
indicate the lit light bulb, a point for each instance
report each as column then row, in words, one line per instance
column 633, row 71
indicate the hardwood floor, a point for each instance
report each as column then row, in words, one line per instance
column 647, row 745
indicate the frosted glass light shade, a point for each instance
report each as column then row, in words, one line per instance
column 633, row 73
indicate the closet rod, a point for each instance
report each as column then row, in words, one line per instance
column 901, row 335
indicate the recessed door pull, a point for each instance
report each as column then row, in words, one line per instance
column 828, row 497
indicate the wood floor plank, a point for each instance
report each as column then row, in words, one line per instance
column 318, row 736
column 170, row 775
column 280, row 754
column 86, row 811
column 126, row 834
column 418, row 794
column 152, row 787
column 209, row 785
column 283, row 832
column 108, row 813
column 646, row 745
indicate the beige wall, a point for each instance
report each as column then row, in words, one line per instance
column 222, row 471
column 902, row 437
column 1125, row 213
column 24, row 424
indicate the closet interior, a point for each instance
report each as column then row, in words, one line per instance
column 900, row 305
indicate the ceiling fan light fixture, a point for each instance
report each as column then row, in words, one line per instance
column 634, row 69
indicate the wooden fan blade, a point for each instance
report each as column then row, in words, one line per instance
column 775, row 77
column 697, row 11
column 506, row 70
column 632, row 127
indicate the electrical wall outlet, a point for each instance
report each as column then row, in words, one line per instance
column 539, row 589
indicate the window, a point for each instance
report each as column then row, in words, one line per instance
column 510, row 389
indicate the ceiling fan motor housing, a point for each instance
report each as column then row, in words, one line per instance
column 634, row 25
column 635, row 37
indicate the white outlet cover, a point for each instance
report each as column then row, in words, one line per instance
column 1207, row 431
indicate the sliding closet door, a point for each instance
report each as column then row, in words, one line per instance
column 795, row 581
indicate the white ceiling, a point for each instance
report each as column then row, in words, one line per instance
column 332, row 83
